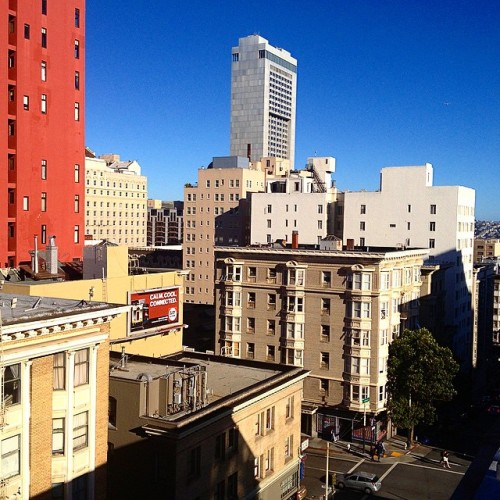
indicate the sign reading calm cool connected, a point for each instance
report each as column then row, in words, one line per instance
column 156, row 307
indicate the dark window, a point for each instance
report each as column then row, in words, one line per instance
column 44, row 7
column 77, row 49
column 112, row 411
column 12, row 384
column 77, row 18
column 77, row 80
column 44, row 38
column 44, row 233
column 27, row 31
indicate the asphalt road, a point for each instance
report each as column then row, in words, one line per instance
column 418, row 476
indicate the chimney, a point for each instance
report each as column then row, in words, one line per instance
column 51, row 256
column 350, row 244
column 295, row 239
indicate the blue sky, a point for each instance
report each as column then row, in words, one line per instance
column 380, row 83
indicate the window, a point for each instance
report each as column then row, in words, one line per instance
column 433, row 210
column 77, row 111
column 77, row 173
column 112, row 407
column 289, row 447
column 81, row 367
column 77, row 80
column 324, row 386
column 43, row 230
column 432, row 226
column 250, row 325
column 232, row 486
column 44, row 169
column 362, row 281
column 381, row 393
column 76, row 234
column 11, row 457
column 361, row 309
column 194, row 461
column 269, row 210
column 325, row 306
column 360, row 366
column 360, row 337
column 432, row 243
column 220, row 490
column 77, row 203
column 326, row 278
column 252, row 274
column 324, row 360
column 27, row 31
column 80, row 430
column 44, row 38
column 320, row 224
column 362, row 226
column 43, row 104
column 58, row 436
column 270, row 353
column 271, row 327
column 44, row 7
column 325, row 333
column 270, row 419
column 362, row 210
column 77, row 49
column 250, row 350
column 77, row 18
column 26, row 203
column 12, row 384
column 44, row 202
column 289, row 409
column 26, row 103
column 256, row 467
column 251, row 300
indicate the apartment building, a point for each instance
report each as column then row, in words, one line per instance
column 263, row 100
column 204, row 427
column 165, row 223
column 409, row 211
column 115, row 200
column 54, row 357
column 486, row 249
column 216, row 210
column 42, row 106
column 331, row 312
column 298, row 201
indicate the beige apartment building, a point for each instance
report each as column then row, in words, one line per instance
column 216, row 212
column 54, row 357
column 331, row 312
column 199, row 426
column 486, row 249
column 116, row 197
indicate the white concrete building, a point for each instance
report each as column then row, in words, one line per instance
column 300, row 202
column 408, row 211
column 263, row 100
column 116, row 197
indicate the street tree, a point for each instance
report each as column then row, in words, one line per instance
column 420, row 373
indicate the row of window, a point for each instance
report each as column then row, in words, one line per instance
column 432, row 209
column 114, row 193
column 115, row 184
column 43, row 204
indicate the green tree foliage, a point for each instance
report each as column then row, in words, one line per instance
column 420, row 373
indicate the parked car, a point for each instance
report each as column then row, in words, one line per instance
column 364, row 481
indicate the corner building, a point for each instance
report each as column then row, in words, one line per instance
column 331, row 312
column 42, row 131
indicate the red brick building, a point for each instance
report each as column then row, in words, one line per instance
column 42, row 127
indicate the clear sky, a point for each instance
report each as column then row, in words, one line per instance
column 380, row 83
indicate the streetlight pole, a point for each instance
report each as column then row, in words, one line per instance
column 326, row 477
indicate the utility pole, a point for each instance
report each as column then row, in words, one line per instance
column 326, row 477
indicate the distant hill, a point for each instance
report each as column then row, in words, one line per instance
column 487, row 229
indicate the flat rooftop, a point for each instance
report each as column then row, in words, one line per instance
column 25, row 308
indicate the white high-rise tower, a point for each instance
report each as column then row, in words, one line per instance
column 263, row 98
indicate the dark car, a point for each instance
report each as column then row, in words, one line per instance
column 364, row 481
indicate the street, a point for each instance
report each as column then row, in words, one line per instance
column 413, row 476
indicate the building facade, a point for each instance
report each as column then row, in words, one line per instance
column 332, row 312
column 165, row 223
column 115, row 200
column 205, row 427
column 440, row 218
column 486, row 249
column 54, row 357
column 299, row 201
column 216, row 210
column 263, row 100
column 42, row 104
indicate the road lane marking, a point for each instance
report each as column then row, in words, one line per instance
column 356, row 466
column 433, row 468
column 387, row 472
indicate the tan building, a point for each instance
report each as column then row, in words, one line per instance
column 106, row 269
column 332, row 312
column 215, row 210
column 54, row 359
column 486, row 249
column 201, row 426
column 115, row 200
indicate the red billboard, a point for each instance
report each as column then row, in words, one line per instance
column 156, row 307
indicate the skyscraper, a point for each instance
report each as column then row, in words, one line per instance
column 263, row 97
column 42, row 140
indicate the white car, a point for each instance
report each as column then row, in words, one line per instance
column 358, row 480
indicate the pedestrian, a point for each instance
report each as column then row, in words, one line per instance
column 379, row 450
column 445, row 460
column 332, row 434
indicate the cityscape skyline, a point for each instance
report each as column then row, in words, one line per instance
column 383, row 84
